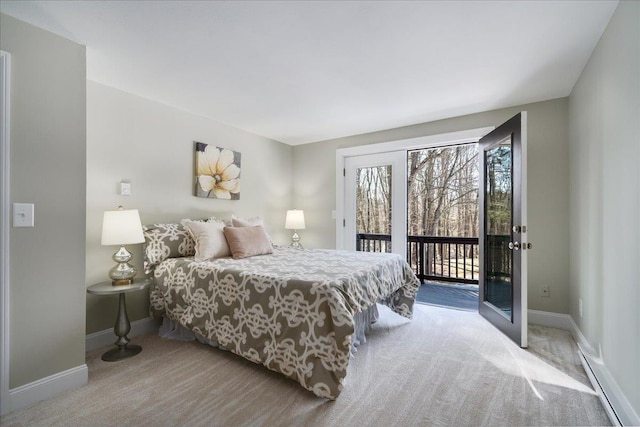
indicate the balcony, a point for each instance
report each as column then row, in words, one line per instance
column 442, row 259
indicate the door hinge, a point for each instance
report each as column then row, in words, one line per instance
column 344, row 172
column 344, row 222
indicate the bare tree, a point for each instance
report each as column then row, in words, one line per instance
column 443, row 191
column 373, row 202
column 442, row 199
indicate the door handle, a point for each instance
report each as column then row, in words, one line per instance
column 514, row 246
column 519, row 228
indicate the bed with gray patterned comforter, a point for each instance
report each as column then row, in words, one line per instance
column 291, row 311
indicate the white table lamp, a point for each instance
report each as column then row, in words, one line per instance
column 122, row 227
column 295, row 222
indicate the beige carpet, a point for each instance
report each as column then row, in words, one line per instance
column 446, row 367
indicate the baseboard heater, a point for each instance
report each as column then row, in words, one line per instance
column 606, row 403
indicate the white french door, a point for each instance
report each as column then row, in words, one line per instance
column 380, row 180
column 503, row 210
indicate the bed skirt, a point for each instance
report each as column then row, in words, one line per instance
column 170, row 329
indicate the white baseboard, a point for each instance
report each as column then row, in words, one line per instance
column 613, row 400
column 70, row 379
column 553, row 320
column 45, row 388
column 107, row 337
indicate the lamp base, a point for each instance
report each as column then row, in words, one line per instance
column 122, row 282
column 116, row 354
column 295, row 241
column 123, row 273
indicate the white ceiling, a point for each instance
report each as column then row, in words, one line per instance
column 305, row 71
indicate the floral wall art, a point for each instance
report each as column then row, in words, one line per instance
column 217, row 172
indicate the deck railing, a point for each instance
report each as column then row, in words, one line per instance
column 449, row 259
column 373, row 242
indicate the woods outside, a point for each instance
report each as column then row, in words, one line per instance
column 442, row 190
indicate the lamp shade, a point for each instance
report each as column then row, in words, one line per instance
column 122, row 227
column 295, row 220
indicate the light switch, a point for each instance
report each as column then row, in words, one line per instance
column 125, row 188
column 23, row 214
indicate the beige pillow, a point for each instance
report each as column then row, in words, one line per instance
column 247, row 241
column 209, row 239
column 249, row 222
column 246, row 222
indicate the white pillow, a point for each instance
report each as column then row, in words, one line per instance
column 209, row 238
column 226, row 222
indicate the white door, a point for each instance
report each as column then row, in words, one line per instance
column 375, row 201
column 503, row 228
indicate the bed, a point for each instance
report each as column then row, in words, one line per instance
column 295, row 311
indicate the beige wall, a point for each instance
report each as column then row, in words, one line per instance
column 548, row 159
column 604, row 111
column 151, row 144
column 48, row 128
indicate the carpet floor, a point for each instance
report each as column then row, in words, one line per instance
column 445, row 367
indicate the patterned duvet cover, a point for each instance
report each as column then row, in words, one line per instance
column 291, row 311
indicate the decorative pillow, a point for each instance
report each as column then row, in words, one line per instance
column 247, row 241
column 227, row 222
column 249, row 222
column 162, row 241
column 209, row 238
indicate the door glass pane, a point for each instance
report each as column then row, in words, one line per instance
column 373, row 209
column 498, row 261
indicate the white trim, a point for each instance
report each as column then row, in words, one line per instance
column 5, row 75
column 70, row 379
column 553, row 320
column 48, row 387
column 615, row 403
column 107, row 337
column 524, row 269
column 440, row 140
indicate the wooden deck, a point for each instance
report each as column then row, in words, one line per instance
column 458, row 296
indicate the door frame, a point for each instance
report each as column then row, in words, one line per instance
column 439, row 140
column 5, row 161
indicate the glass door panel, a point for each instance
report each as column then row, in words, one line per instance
column 374, row 208
column 498, row 197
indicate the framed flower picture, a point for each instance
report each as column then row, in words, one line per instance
column 217, row 172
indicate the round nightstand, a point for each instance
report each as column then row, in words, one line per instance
column 122, row 326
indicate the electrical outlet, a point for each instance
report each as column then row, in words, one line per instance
column 545, row 291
